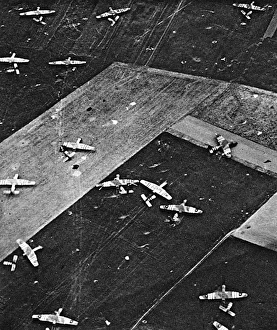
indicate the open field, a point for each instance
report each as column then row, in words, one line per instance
column 82, row 266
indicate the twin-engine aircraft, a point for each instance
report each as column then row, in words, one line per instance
column 55, row 318
column 14, row 61
column 224, row 146
column 13, row 183
column 29, row 252
column 250, row 7
column 67, row 61
column 181, row 208
column 223, row 295
column 113, row 14
column 156, row 189
column 38, row 12
column 118, row 184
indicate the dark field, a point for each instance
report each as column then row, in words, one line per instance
column 82, row 266
column 197, row 37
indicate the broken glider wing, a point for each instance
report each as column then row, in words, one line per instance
column 157, row 189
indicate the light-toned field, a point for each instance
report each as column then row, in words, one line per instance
column 119, row 112
column 260, row 228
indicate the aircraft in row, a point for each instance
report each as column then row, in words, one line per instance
column 118, row 183
column 66, row 146
column 250, row 8
column 38, row 15
column 15, row 61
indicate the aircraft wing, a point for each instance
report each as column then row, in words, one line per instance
column 156, row 189
column 37, row 12
column 235, row 295
column 76, row 62
column 83, row 146
column 121, row 10
column 71, row 145
column 106, row 14
column 212, row 295
column 58, row 63
column 241, row 5
column 21, row 182
column 6, row 182
column 28, row 13
column 28, row 252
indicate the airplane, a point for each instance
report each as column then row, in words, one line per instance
column 118, row 183
column 156, row 189
column 219, row 326
column 55, row 318
column 250, row 7
column 14, row 61
column 38, row 12
column 113, row 13
column 13, row 183
column 227, row 309
column 29, row 252
column 181, row 208
column 67, row 61
column 78, row 145
column 224, row 146
column 11, row 263
column 223, row 294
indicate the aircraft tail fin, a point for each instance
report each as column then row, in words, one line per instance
column 147, row 200
column 9, row 192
